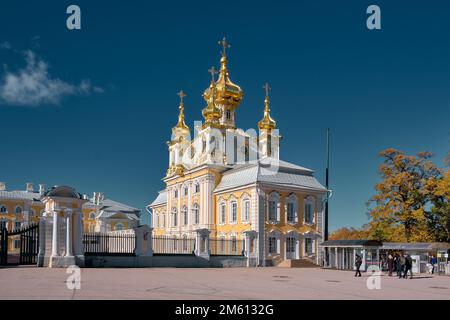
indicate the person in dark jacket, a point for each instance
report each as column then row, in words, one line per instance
column 398, row 262
column 408, row 267
column 358, row 263
column 390, row 262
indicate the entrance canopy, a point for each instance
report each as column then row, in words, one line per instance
column 351, row 243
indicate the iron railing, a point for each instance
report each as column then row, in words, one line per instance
column 172, row 245
column 226, row 247
column 109, row 244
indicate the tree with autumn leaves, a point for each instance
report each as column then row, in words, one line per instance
column 411, row 203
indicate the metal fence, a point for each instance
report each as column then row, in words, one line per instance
column 227, row 247
column 172, row 245
column 109, row 244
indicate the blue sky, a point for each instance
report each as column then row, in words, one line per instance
column 104, row 123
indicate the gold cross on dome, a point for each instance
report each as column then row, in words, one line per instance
column 267, row 88
column 212, row 71
column 182, row 95
column 225, row 45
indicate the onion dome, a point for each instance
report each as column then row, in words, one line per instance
column 267, row 123
column 226, row 91
column 211, row 112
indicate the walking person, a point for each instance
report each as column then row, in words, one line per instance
column 434, row 262
column 408, row 267
column 358, row 263
column 390, row 263
column 401, row 264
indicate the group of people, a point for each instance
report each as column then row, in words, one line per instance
column 402, row 263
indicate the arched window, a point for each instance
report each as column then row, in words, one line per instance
column 92, row 215
column 245, row 208
column 118, row 226
column 174, row 217
column 197, row 187
column 156, row 222
column 309, row 210
column 222, row 213
column 18, row 210
column 274, row 207
column 3, row 209
column 184, row 215
column 185, row 190
column 162, row 220
column 196, row 213
column 233, row 211
column 228, row 114
column 291, row 209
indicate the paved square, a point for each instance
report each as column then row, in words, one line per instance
column 227, row 283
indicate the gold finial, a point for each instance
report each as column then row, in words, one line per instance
column 182, row 95
column 213, row 72
column 225, row 45
column 267, row 122
column 267, row 88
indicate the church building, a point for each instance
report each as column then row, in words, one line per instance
column 232, row 182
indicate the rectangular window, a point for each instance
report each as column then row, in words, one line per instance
column 246, row 211
column 2, row 224
column 233, row 211
column 308, row 213
column 17, row 225
column 17, row 244
column 308, row 246
column 290, row 212
column 233, row 244
column 290, row 244
column 272, row 245
column 222, row 214
column 272, row 210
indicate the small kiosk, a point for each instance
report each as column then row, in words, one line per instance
column 342, row 253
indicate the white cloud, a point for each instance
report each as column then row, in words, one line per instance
column 5, row 45
column 33, row 86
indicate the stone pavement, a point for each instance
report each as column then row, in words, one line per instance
column 208, row 283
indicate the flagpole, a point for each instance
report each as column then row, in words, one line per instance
column 327, row 184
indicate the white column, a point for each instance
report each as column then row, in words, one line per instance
column 79, row 233
column 336, row 257
column 69, row 235
column 55, row 234
column 189, row 185
column 179, row 207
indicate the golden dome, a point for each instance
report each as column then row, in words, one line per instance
column 211, row 112
column 226, row 91
column 181, row 130
column 267, row 123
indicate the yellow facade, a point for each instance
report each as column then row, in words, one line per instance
column 226, row 194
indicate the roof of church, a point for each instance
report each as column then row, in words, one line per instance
column 113, row 206
column 269, row 171
column 160, row 199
